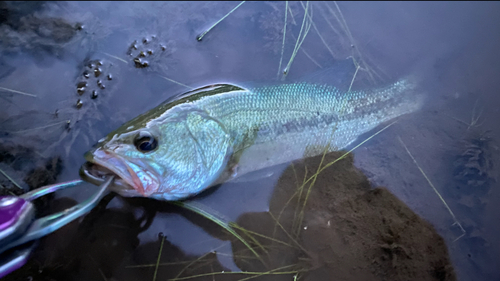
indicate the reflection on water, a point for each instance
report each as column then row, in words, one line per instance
column 119, row 59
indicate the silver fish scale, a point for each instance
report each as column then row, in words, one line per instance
column 307, row 114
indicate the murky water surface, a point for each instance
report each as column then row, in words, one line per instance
column 72, row 72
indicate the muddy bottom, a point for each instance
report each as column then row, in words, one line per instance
column 346, row 231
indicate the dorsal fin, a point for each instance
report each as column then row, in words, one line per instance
column 204, row 91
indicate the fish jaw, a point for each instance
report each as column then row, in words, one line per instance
column 135, row 174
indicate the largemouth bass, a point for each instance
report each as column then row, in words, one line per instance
column 220, row 132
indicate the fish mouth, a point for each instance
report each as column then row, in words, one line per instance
column 134, row 179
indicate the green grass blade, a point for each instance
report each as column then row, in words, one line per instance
column 435, row 190
column 283, row 44
column 200, row 37
column 11, row 180
column 321, row 169
column 202, row 210
column 304, row 30
column 256, row 274
column 191, row 263
column 175, row 82
column 159, row 256
column 18, row 92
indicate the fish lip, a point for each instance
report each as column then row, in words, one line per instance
column 128, row 183
column 96, row 174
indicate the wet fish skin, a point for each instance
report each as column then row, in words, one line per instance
column 204, row 135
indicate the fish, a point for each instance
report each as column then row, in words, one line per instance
column 221, row 132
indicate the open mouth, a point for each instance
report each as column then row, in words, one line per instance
column 132, row 179
column 97, row 174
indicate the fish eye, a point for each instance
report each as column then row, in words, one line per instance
column 145, row 142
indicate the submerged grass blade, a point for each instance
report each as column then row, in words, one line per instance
column 256, row 274
column 311, row 58
column 190, row 264
column 263, row 236
column 284, row 37
column 203, row 212
column 317, row 32
column 353, row 77
column 435, row 190
column 329, row 23
column 115, row 57
column 200, row 37
column 296, row 193
column 339, row 17
column 291, row 15
column 300, row 190
column 271, row 272
column 287, row 234
column 178, row 83
column 249, row 235
column 159, row 256
column 475, row 119
column 314, row 177
column 354, row 148
column 11, row 180
column 344, row 22
column 297, row 220
column 17, row 92
column 42, row 127
column 159, row 264
column 320, row 169
column 304, row 30
column 307, row 54
column 102, row 274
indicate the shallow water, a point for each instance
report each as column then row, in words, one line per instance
column 47, row 48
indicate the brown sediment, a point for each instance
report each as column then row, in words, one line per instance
column 349, row 232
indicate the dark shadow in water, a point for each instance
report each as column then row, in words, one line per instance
column 84, row 251
column 105, row 244
column 22, row 29
column 349, row 232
